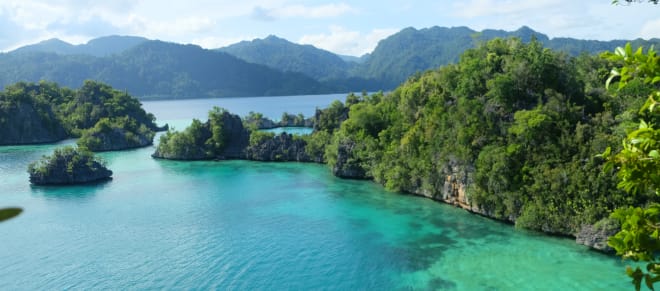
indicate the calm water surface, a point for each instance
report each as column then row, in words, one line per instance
column 241, row 225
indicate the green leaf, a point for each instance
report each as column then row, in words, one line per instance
column 620, row 51
column 654, row 154
column 8, row 213
column 628, row 49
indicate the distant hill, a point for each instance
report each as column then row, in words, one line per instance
column 284, row 55
column 410, row 50
column 156, row 69
column 270, row 66
column 102, row 46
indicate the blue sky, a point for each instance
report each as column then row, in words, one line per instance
column 345, row 27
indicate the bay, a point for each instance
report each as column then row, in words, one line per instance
column 241, row 225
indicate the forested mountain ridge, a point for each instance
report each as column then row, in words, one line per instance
column 99, row 47
column 411, row 50
column 262, row 67
column 286, row 56
column 156, row 69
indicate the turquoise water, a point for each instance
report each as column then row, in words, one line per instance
column 291, row 130
column 242, row 225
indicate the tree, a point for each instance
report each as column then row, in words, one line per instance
column 638, row 166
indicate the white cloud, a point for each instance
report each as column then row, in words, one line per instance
column 302, row 11
column 171, row 28
column 483, row 8
column 651, row 29
column 213, row 42
column 347, row 42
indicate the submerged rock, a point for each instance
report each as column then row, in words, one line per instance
column 68, row 165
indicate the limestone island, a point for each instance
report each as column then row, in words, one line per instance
column 66, row 166
column 112, row 134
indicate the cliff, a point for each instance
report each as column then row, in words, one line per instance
column 29, row 123
column 283, row 147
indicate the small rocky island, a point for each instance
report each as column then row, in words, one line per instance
column 225, row 136
column 66, row 166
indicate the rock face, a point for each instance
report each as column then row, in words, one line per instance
column 347, row 166
column 27, row 123
column 237, row 137
column 68, row 166
column 283, row 147
column 595, row 236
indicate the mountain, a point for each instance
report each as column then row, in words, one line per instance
column 284, row 55
column 269, row 66
column 401, row 55
column 102, row 46
column 156, row 69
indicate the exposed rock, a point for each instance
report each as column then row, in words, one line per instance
column 347, row 166
column 283, row 147
column 236, row 137
column 28, row 123
column 595, row 236
column 68, row 166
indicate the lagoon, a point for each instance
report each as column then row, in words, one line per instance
column 243, row 225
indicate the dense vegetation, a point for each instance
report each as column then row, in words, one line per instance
column 399, row 56
column 46, row 112
column 100, row 47
column 116, row 133
column 155, row 69
column 198, row 141
column 286, row 56
column 272, row 66
column 638, row 164
column 68, row 165
column 516, row 125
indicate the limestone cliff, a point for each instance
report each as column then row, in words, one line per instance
column 29, row 123
column 283, row 147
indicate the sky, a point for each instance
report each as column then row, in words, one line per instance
column 343, row 27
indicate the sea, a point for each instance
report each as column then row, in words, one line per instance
column 243, row 225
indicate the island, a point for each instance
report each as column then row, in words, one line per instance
column 512, row 132
column 44, row 112
column 67, row 166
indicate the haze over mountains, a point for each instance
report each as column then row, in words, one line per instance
column 262, row 67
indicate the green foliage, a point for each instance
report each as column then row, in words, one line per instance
column 124, row 130
column 52, row 113
column 518, row 123
column 316, row 144
column 197, row 141
column 259, row 137
column 155, row 69
column 638, row 164
column 69, row 157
